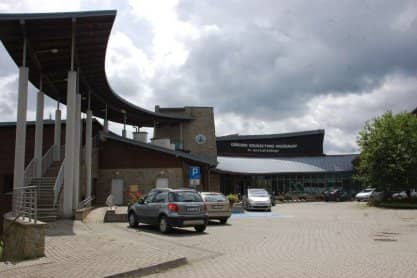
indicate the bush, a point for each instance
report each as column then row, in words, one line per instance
column 233, row 198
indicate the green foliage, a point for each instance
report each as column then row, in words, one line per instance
column 233, row 198
column 388, row 159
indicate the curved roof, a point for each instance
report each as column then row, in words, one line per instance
column 302, row 164
column 49, row 51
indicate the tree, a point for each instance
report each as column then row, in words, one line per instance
column 388, row 159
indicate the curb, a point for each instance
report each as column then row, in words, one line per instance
column 151, row 269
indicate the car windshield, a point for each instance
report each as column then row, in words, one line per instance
column 367, row 190
column 258, row 193
column 187, row 196
column 214, row 198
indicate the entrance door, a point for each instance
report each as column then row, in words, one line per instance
column 117, row 191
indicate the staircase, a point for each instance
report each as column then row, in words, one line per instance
column 47, row 212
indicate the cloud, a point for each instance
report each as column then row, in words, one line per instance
column 266, row 66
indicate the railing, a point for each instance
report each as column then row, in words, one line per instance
column 58, row 183
column 29, row 172
column 25, row 203
column 47, row 159
column 86, row 202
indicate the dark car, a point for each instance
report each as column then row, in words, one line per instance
column 169, row 208
column 337, row 195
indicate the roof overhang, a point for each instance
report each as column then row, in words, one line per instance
column 49, row 37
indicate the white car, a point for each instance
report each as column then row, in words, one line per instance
column 400, row 195
column 257, row 199
column 364, row 195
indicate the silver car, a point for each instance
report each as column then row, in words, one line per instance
column 169, row 208
column 218, row 207
column 257, row 199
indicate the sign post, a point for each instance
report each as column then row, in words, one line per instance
column 194, row 176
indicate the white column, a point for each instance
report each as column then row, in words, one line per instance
column 124, row 126
column 76, row 198
column 88, row 152
column 39, row 134
column 57, row 134
column 106, row 122
column 69, row 145
column 19, row 152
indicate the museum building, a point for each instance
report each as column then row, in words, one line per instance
column 78, row 161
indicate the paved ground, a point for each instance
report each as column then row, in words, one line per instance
column 299, row 240
column 74, row 249
column 295, row 240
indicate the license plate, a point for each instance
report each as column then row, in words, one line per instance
column 196, row 209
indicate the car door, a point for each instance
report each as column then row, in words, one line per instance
column 142, row 210
column 160, row 200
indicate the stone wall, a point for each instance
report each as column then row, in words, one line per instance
column 23, row 240
column 145, row 178
column 202, row 123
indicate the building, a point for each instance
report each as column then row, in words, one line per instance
column 79, row 161
column 281, row 163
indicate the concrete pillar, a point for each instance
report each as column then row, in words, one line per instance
column 76, row 198
column 106, row 122
column 69, row 145
column 19, row 153
column 39, row 134
column 57, row 134
column 124, row 133
column 88, row 151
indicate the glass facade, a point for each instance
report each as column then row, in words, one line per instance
column 283, row 183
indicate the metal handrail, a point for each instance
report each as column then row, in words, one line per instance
column 29, row 173
column 58, row 183
column 25, row 203
column 47, row 159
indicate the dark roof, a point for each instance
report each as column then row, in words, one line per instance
column 414, row 111
column 193, row 157
column 286, row 165
column 47, row 31
column 45, row 122
column 269, row 136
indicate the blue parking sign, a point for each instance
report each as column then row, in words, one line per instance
column 194, row 173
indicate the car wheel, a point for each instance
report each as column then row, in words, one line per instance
column 133, row 221
column 200, row 228
column 223, row 220
column 163, row 225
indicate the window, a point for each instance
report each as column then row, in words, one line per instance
column 161, row 197
column 187, row 196
column 7, row 183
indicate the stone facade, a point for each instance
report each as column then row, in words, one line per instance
column 202, row 123
column 145, row 178
column 23, row 240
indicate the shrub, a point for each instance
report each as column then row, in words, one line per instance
column 233, row 198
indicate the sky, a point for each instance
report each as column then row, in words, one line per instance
column 266, row 66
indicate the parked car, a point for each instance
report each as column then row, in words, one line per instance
column 400, row 195
column 337, row 195
column 169, row 208
column 218, row 207
column 257, row 198
column 364, row 195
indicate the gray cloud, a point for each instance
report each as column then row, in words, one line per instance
column 268, row 60
column 271, row 66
